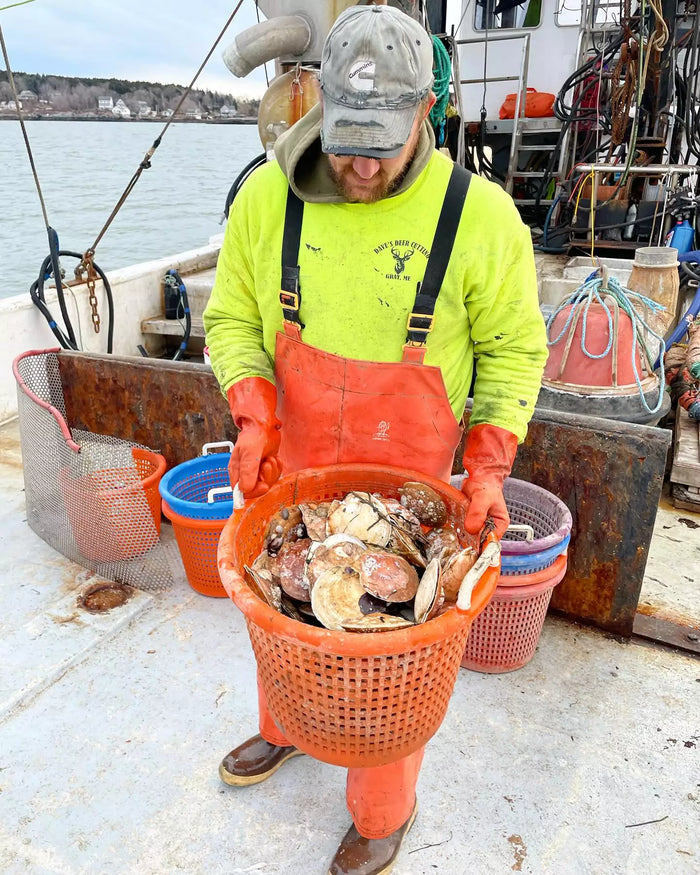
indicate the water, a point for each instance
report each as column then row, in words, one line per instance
column 84, row 167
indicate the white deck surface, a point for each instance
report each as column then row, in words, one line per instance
column 112, row 728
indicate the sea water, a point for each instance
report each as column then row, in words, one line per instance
column 84, row 167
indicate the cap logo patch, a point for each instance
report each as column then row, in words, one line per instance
column 362, row 75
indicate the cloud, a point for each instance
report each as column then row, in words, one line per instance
column 160, row 40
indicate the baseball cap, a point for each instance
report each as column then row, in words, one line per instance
column 376, row 67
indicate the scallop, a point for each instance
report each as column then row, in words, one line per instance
column 265, row 586
column 401, row 516
column 286, row 525
column 291, row 567
column 387, row 576
column 442, row 542
column 377, row 623
column 429, row 597
column 335, row 597
column 454, row 568
column 424, row 502
column 362, row 515
column 315, row 516
column 338, row 549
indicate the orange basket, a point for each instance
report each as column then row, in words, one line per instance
column 197, row 541
column 350, row 699
column 115, row 512
column 505, row 635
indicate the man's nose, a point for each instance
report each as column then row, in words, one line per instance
column 365, row 167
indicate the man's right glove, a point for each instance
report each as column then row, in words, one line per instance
column 254, row 464
column 489, row 454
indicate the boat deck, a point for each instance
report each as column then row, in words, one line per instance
column 112, row 727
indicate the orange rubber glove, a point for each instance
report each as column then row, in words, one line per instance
column 489, row 454
column 254, row 463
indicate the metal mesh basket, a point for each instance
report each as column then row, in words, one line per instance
column 92, row 497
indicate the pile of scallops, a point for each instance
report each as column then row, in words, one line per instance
column 364, row 563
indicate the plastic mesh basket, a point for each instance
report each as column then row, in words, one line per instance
column 187, row 486
column 350, row 699
column 197, row 541
column 527, row 563
column 531, row 505
column 504, row 636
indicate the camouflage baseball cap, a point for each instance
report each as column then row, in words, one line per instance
column 376, row 67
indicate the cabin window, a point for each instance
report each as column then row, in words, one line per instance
column 508, row 14
column 570, row 12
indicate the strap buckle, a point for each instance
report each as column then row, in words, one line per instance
column 289, row 300
column 420, row 317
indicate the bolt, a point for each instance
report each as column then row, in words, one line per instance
column 693, row 637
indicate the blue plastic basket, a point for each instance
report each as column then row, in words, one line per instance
column 527, row 563
column 186, row 488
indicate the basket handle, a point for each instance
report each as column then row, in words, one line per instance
column 217, row 445
column 489, row 556
column 238, row 497
column 522, row 528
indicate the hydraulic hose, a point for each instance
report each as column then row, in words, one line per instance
column 50, row 267
column 258, row 161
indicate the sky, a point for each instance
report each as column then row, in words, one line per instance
column 152, row 40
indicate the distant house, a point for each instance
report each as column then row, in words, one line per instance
column 193, row 113
column 144, row 109
column 12, row 105
column 105, row 103
column 167, row 113
column 121, row 109
column 227, row 111
column 27, row 96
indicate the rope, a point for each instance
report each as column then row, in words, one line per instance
column 20, row 116
column 442, row 69
column 592, row 291
column 146, row 162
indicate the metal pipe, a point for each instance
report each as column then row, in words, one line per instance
column 281, row 37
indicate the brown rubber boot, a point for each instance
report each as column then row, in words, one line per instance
column 360, row 856
column 254, row 761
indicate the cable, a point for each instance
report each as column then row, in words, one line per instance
column 258, row 161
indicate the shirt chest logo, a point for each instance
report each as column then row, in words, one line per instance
column 394, row 255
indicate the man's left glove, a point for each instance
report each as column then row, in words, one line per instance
column 254, row 464
column 489, row 454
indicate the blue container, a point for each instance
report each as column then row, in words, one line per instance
column 683, row 237
column 185, row 488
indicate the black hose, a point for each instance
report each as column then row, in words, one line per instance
column 258, row 161
column 188, row 315
column 50, row 267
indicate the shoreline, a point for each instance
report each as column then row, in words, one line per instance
column 92, row 118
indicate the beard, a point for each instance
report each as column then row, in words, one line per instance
column 381, row 185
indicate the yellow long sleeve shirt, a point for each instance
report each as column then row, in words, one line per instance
column 359, row 268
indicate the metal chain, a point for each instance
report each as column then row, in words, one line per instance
column 85, row 272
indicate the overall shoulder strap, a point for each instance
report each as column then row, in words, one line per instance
column 420, row 321
column 290, row 293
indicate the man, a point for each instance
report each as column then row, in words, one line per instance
column 394, row 284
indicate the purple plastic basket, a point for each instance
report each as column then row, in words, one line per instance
column 531, row 505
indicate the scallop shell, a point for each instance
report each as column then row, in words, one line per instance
column 286, row 525
column 424, row 502
column 315, row 516
column 340, row 549
column 442, row 542
column 376, row 623
column 291, row 567
column 429, row 597
column 387, row 576
column 335, row 597
column 362, row 515
column 401, row 515
column 265, row 587
column 453, row 570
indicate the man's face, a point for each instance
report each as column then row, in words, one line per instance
column 367, row 180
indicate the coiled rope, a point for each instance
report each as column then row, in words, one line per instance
column 613, row 294
column 442, row 70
